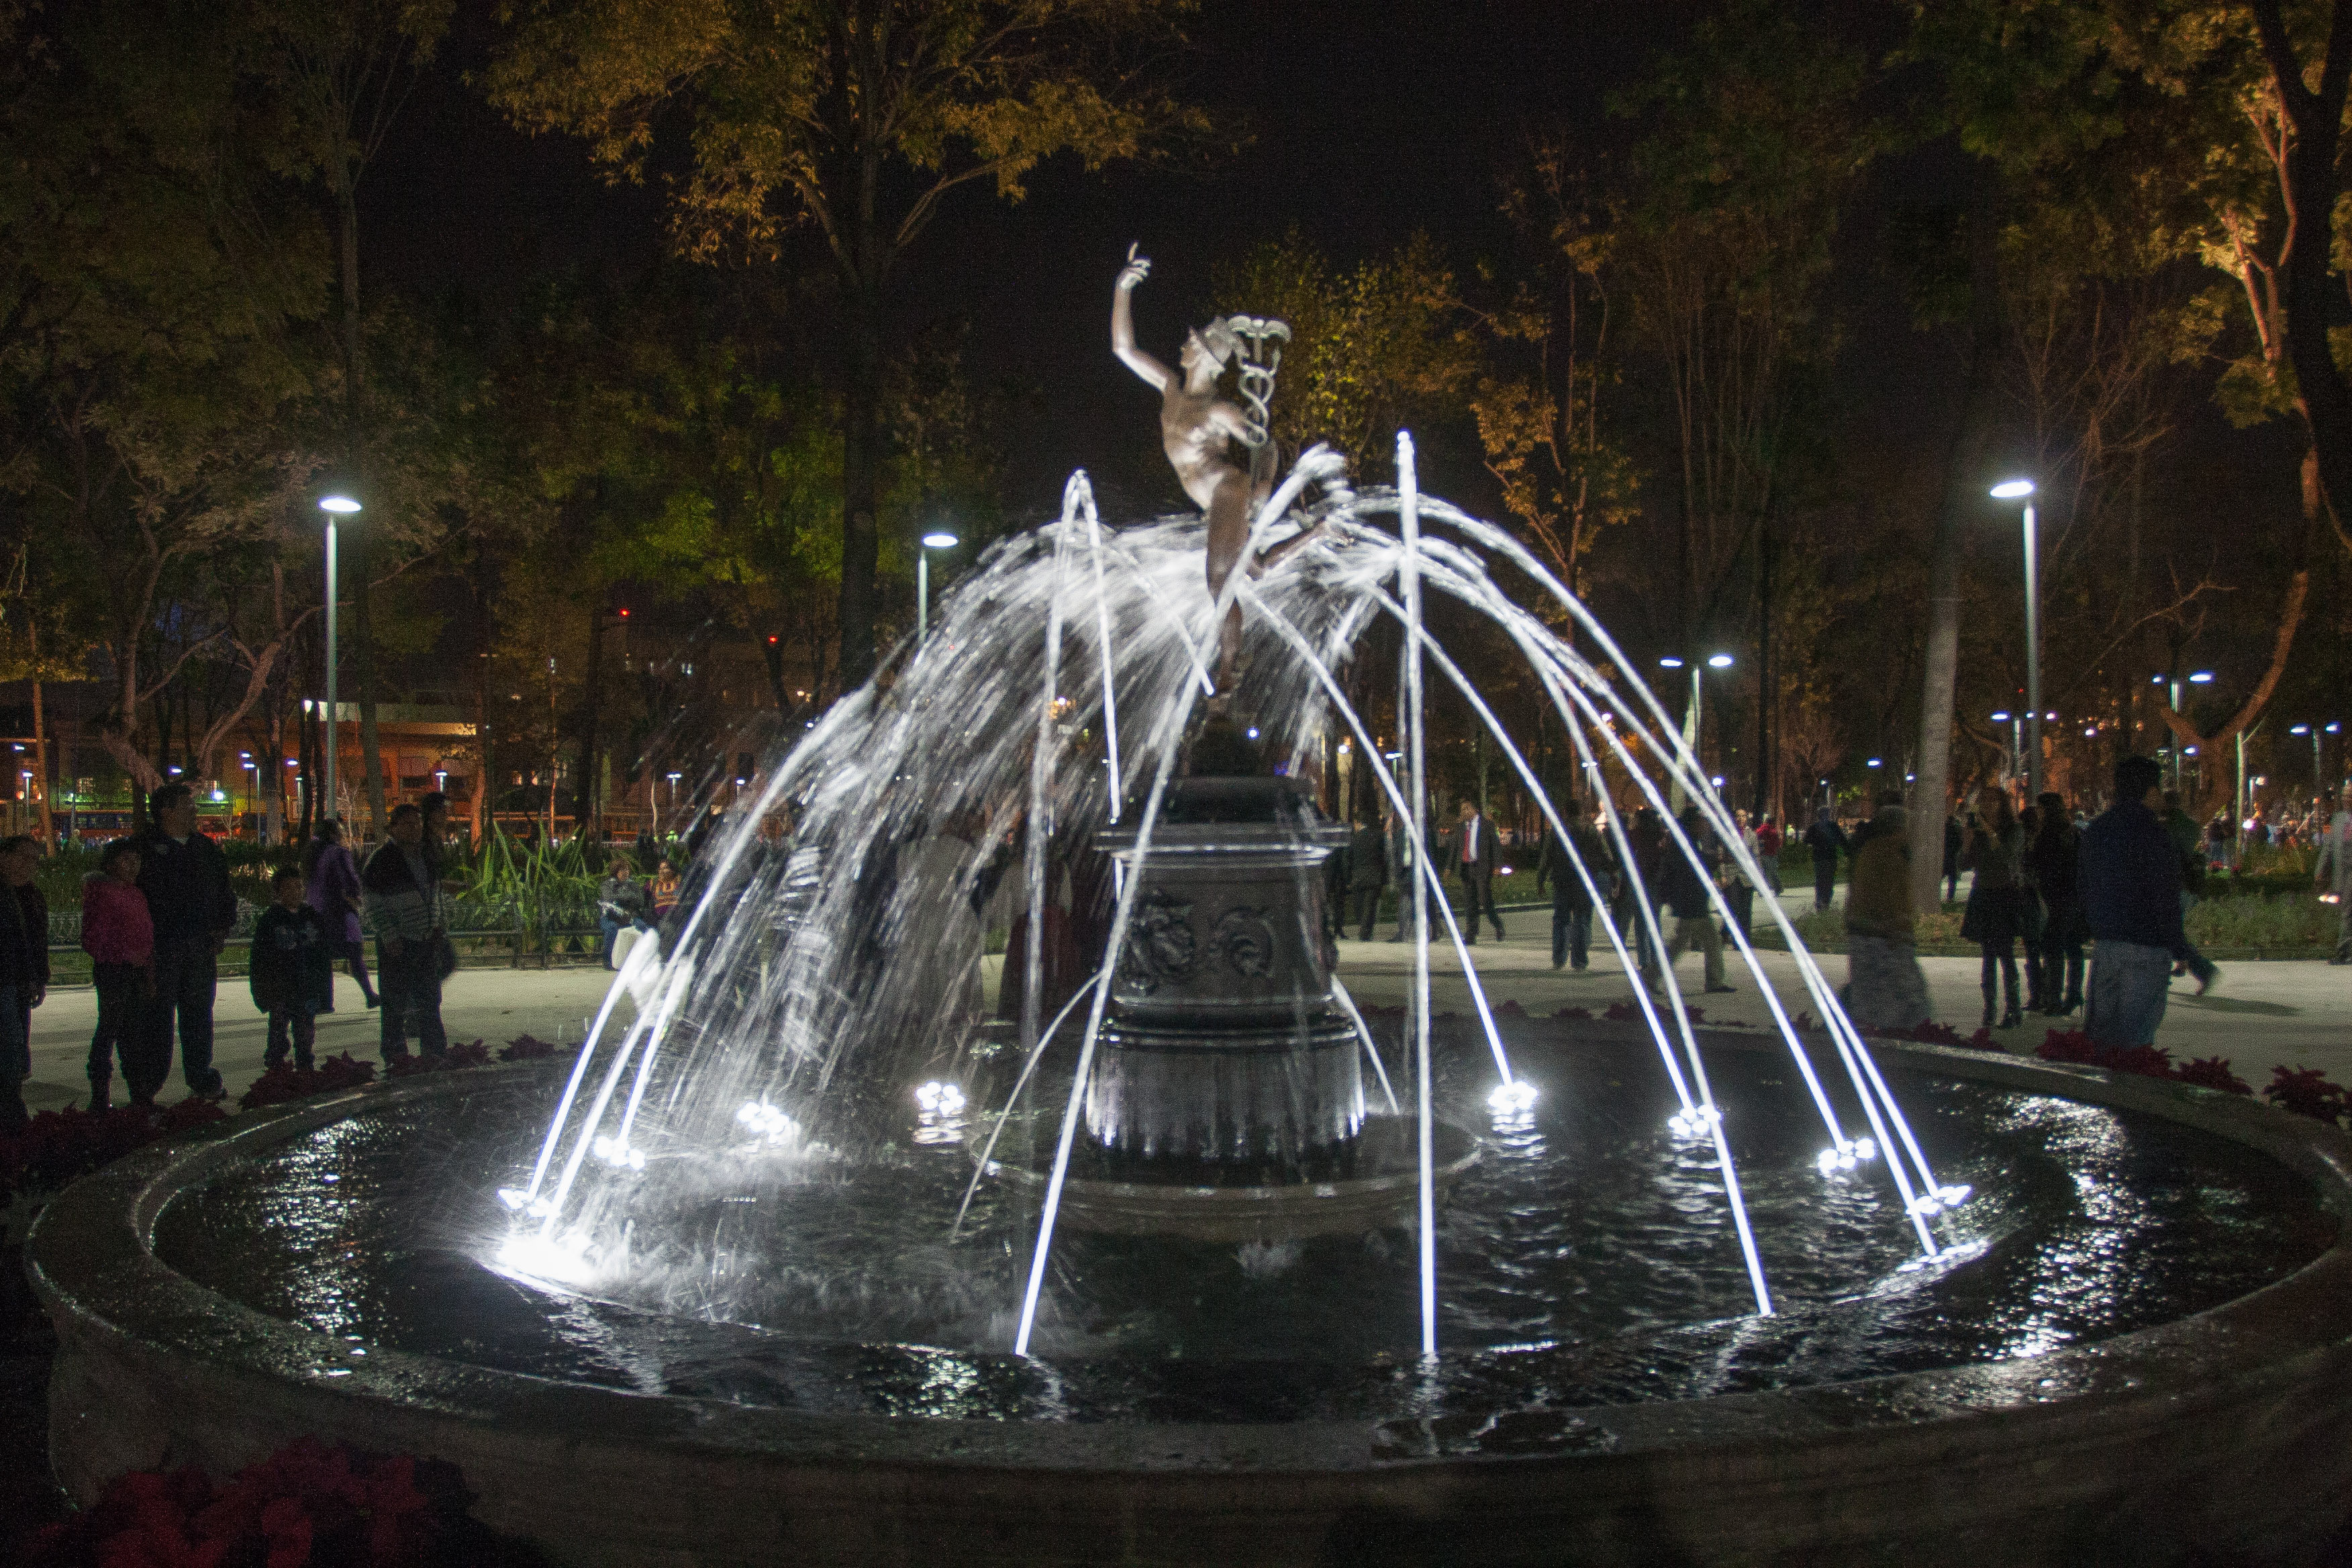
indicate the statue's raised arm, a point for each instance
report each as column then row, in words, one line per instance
column 1122, row 323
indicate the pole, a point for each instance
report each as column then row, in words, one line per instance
column 2176, row 739
column 2033, row 663
column 922, row 592
column 2239, row 809
column 334, row 738
column 1411, row 720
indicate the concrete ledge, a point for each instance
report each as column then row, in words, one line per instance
column 2225, row 1436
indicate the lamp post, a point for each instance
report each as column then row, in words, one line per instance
column 936, row 539
column 1691, row 714
column 2016, row 738
column 336, row 505
column 2023, row 489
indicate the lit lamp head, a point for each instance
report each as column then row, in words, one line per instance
column 1719, row 661
column 938, row 541
column 2002, row 716
column 338, row 505
column 2202, row 678
column 1670, row 662
column 2012, row 490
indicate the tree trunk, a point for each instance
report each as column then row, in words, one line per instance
column 587, row 797
column 861, row 460
column 1963, row 500
column 2313, row 290
column 363, row 621
column 2298, row 596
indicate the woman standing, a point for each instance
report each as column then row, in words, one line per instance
column 1996, row 896
column 119, row 934
column 2052, row 859
column 333, row 881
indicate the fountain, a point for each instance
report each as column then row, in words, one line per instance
column 1190, row 1259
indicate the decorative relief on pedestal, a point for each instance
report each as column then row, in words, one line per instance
column 1245, row 939
column 1160, row 947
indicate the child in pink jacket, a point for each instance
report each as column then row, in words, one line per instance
column 118, row 933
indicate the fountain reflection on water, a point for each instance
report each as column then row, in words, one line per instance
column 811, row 998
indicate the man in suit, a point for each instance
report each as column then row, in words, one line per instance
column 1471, row 850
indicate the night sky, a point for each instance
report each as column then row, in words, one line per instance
column 1366, row 123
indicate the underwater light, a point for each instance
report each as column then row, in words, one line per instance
column 1516, row 1095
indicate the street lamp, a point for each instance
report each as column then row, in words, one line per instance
column 936, row 540
column 2319, row 771
column 2022, row 490
column 252, row 796
column 336, row 505
column 2196, row 678
column 2016, row 739
column 1692, row 714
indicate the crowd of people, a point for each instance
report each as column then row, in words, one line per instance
column 2067, row 913
column 158, row 912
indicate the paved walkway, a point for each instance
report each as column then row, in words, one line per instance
column 2296, row 1013
column 492, row 1005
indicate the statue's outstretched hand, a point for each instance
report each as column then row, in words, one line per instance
column 1136, row 269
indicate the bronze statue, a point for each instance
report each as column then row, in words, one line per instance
column 1199, row 430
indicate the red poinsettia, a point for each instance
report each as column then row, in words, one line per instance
column 308, row 1503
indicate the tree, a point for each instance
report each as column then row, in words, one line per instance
column 1754, row 138
column 1564, row 475
column 858, row 118
column 1371, row 347
column 342, row 68
column 153, row 291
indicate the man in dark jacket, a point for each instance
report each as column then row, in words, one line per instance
column 1688, row 885
column 1368, row 873
column 24, row 969
column 404, row 906
column 1572, row 899
column 2131, row 898
column 1401, row 870
column 1471, row 849
column 1824, row 839
column 185, row 879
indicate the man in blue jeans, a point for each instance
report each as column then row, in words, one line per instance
column 2131, row 898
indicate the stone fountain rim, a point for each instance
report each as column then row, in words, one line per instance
column 91, row 1258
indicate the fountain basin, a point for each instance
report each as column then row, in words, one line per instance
column 2220, row 1434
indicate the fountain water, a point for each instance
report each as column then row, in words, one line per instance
column 1051, row 709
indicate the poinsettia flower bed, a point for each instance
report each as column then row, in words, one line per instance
column 55, row 1146
column 476, row 1054
column 528, row 1047
column 286, row 1082
column 2306, row 1093
column 307, row 1504
column 2149, row 1061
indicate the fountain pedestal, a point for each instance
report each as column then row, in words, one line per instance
column 1226, row 1101
column 1224, row 1058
